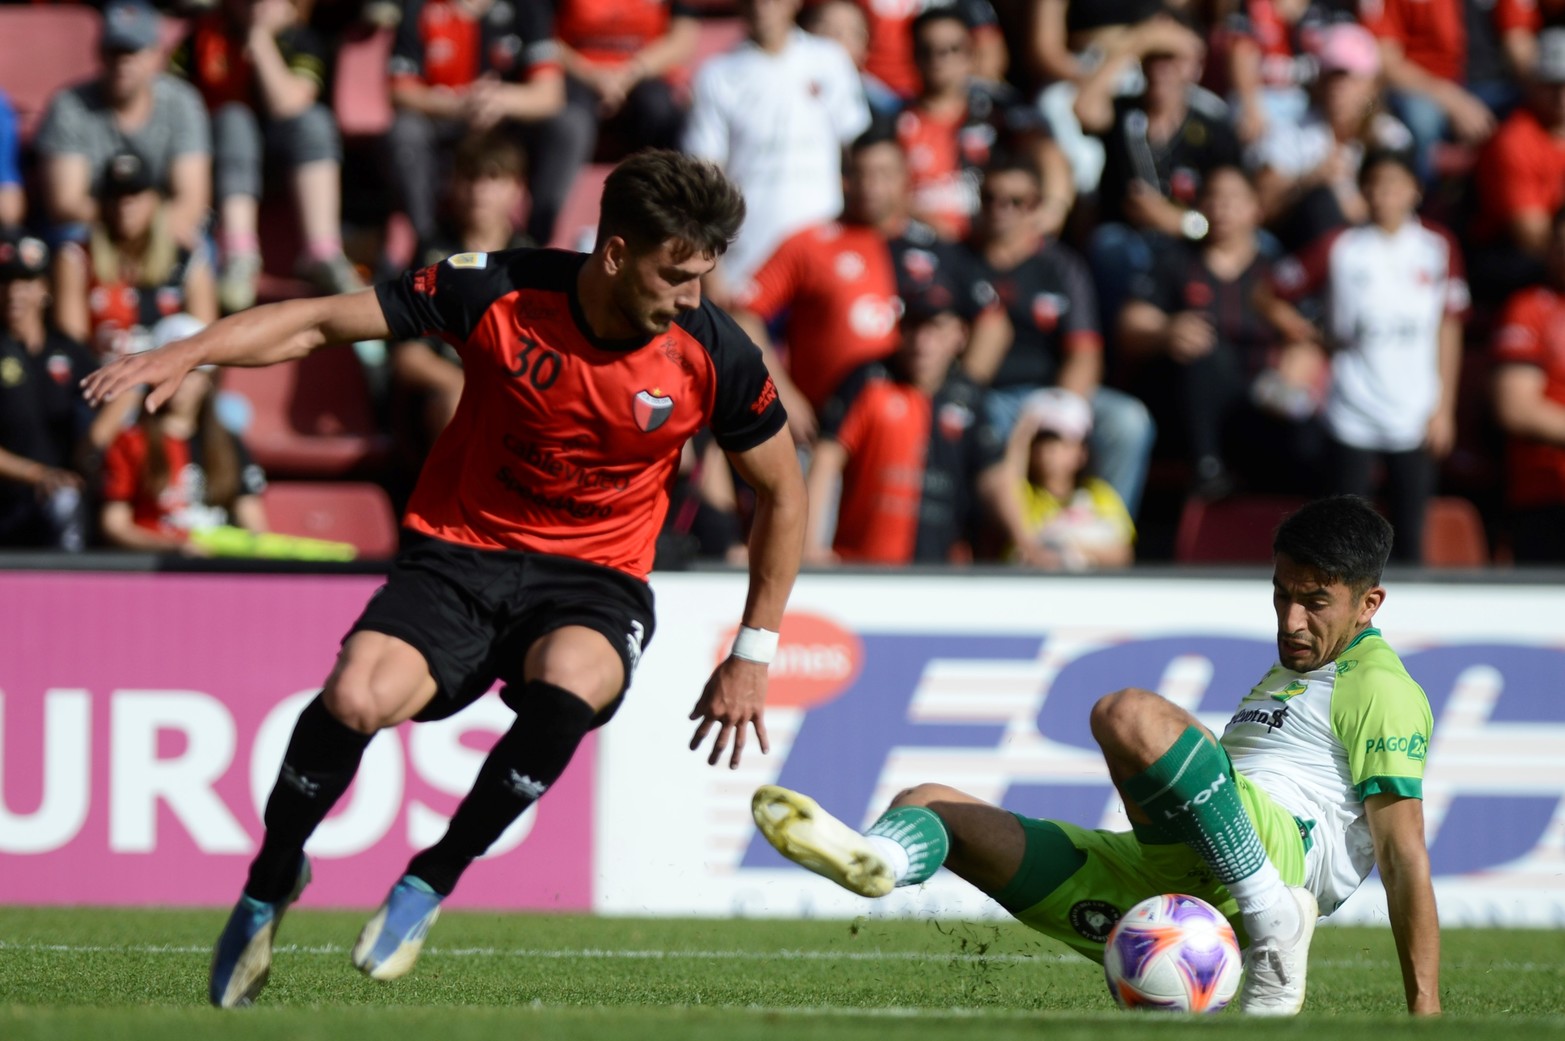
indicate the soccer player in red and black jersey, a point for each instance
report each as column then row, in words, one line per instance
column 532, row 527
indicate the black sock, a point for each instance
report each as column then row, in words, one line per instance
column 323, row 755
column 550, row 723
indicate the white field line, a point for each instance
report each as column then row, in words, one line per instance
column 590, row 953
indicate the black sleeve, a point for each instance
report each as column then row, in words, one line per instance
column 1225, row 149
column 445, row 299
column 252, row 479
column 835, row 411
column 745, row 409
column 407, row 51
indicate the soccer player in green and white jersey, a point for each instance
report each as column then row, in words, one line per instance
column 1317, row 779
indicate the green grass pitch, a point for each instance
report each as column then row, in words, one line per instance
column 141, row 976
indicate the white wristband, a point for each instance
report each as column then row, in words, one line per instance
column 757, row 645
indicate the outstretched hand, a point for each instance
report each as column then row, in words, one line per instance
column 161, row 370
column 734, row 698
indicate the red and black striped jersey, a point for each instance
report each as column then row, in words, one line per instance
column 563, row 442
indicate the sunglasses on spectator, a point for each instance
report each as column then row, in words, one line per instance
column 926, row 51
column 1003, row 202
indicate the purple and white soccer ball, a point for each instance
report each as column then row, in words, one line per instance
column 1172, row 953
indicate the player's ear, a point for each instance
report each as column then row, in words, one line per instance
column 1373, row 598
column 616, row 255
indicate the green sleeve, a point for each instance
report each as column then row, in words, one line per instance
column 1383, row 720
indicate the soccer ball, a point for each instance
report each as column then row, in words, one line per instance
column 1172, row 953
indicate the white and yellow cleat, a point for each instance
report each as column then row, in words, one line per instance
column 389, row 944
column 800, row 830
column 1275, row 968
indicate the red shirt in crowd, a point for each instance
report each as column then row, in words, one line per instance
column 609, row 32
column 1521, row 170
column 439, row 45
column 1532, row 332
column 1531, row 15
column 838, row 287
column 1432, row 33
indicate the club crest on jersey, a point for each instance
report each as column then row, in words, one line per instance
column 652, row 409
column 1292, row 690
column 475, row 261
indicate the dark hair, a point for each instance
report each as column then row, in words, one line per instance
column 1013, row 162
column 1342, row 537
column 1380, row 156
column 657, row 195
column 489, row 154
column 938, row 13
column 881, row 131
column 1224, row 168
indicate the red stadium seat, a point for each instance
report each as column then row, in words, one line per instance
column 312, row 417
column 580, row 212
column 41, row 50
column 1454, row 534
column 1236, row 530
column 717, row 35
column 355, row 512
column 361, row 95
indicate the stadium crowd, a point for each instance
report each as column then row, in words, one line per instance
column 1039, row 280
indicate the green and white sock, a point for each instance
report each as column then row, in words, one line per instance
column 912, row 840
column 1190, row 791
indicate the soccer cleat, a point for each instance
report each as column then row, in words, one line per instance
column 242, row 958
column 1274, row 968
column 390, row 942
column 810, row 837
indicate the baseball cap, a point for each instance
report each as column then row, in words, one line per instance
column 127, row 173
column 22, row 256
column 129, row 25
column 1551, row 56
column 1348, row 47
column 1055, row 410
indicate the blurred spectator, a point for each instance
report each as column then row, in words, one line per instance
column 1424, row 50
column 131, row 272
column 1210, row 366
column 1272, row 47
column 1059, row 518
column 262, row 73
column 43, row 417
column 1067, row 43
column 956, row 121
column 1308, row 169
column 833, row 286
column 890, row 57
column 132, row 105
column 1052, row 337
column 1521, row 180
column 618, row 55
column 179, row 472
column 775, row 113
column 844, row 21
column 703, row 519
column 13, row 200
column 1529, row 402
column 907, row 439
column 1395, row 295
column 1519, row 22
column 464, row 66
column 426, row 374
column 1157, row 148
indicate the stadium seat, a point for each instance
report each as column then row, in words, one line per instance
column 580, row 212
column 41, row 50
column 361, row 96
column 1454, row 534
column 355, row 512
column 1235, row 530
column 312, row 417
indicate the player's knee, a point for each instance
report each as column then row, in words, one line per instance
column 925, row 794
column 595, row 682
column 1117, row 715
column 356, row 700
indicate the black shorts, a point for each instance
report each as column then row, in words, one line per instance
column 474, row 613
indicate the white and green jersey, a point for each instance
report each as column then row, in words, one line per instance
column 1319, row 743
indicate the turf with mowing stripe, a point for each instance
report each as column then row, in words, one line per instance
column 140, row 976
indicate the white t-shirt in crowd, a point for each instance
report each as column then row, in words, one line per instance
column 1386, row 297
column 777, row 124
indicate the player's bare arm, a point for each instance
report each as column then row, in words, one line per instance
column 260, row 336
column 1397, row 826
column 735, row 696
